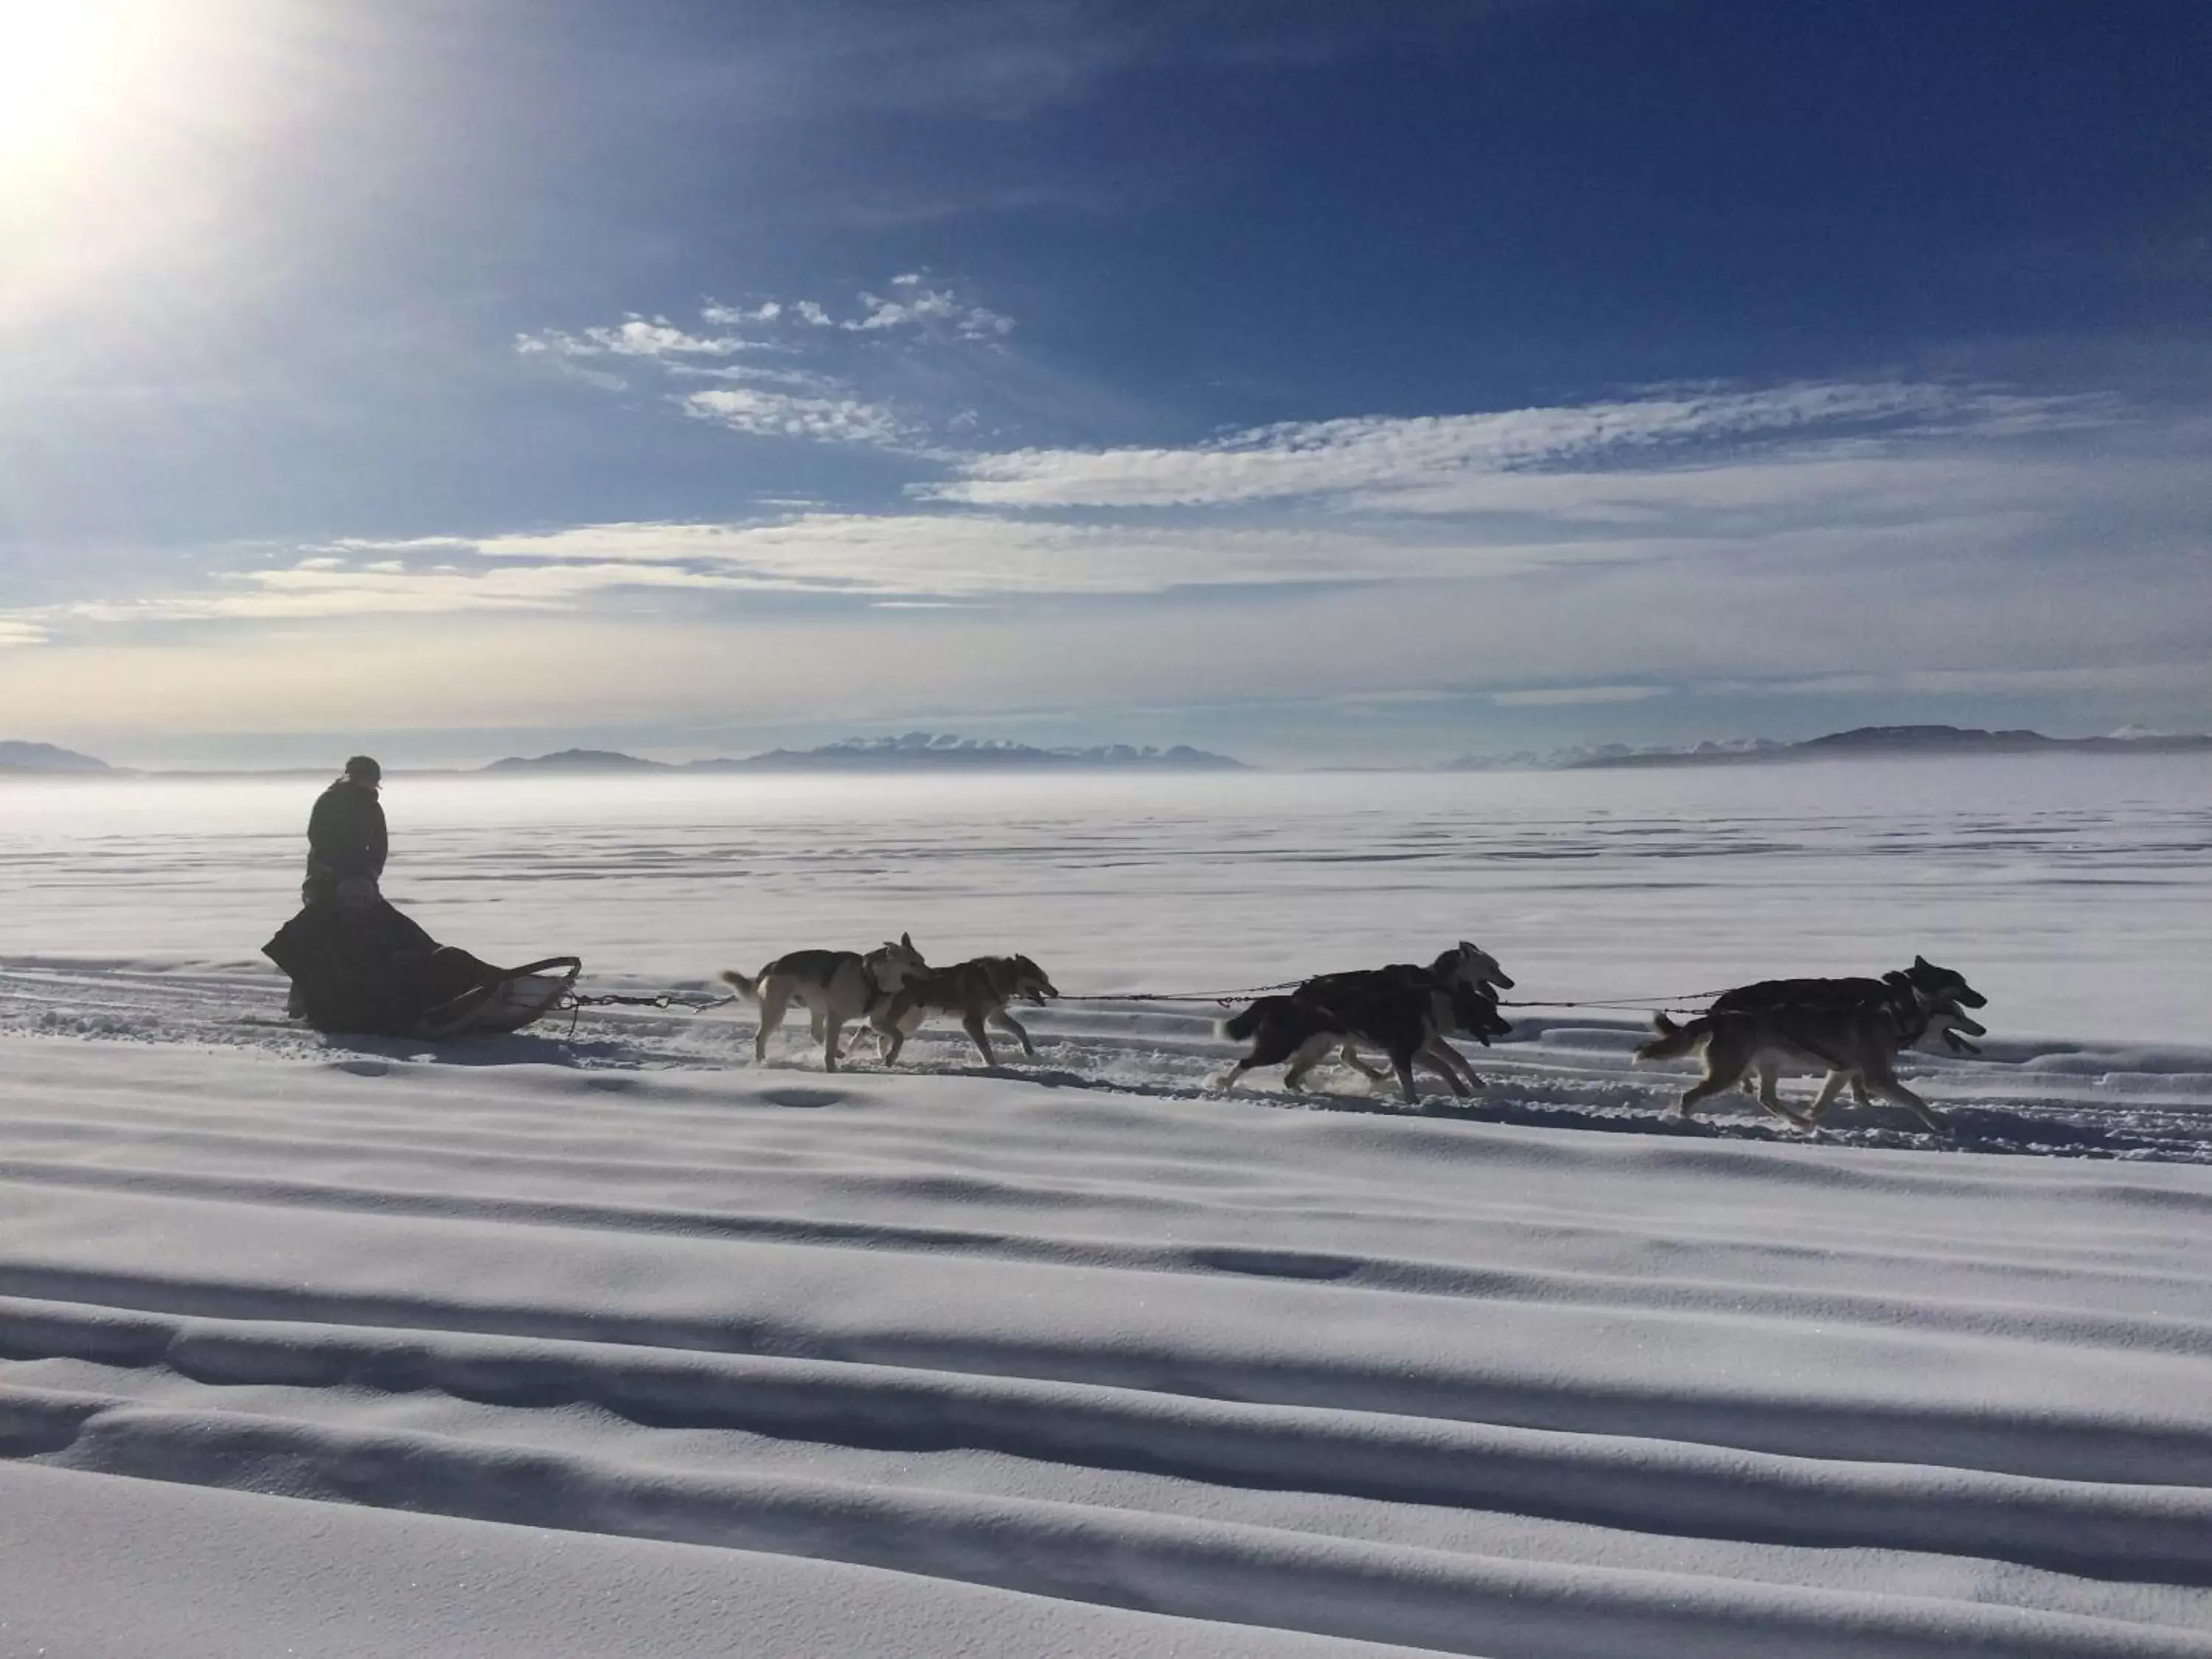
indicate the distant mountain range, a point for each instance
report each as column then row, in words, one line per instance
column 43, row 757
column 925, row 751
column 915, row 751
column 1862, row 741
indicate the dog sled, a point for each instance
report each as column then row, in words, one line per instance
column 374, row 972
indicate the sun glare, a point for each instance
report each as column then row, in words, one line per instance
column 68, row 68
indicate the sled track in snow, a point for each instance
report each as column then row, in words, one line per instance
column 2054, row 1098
column 1491, row 1382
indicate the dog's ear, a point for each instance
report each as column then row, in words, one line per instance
column 906, row 941
column 1920, row 962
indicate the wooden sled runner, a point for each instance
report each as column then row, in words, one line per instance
column 520, row 996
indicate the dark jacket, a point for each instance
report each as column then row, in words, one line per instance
column 345, row 838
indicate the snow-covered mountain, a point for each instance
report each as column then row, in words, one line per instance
column 908, row 752
column 1860, row 742
column 934, row 749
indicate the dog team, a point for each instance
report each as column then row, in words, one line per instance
column 1851, row 1029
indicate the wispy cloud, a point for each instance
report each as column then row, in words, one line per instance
column 1863, row 541
column 1564, row 696
column 771, row 414
column 2190, row 675
column 1515, row 459
column 808, row 367
column 634, row 336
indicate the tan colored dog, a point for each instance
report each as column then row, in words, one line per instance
column 838, row 987
column 977, row 990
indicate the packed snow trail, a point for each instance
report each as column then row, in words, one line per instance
column 1266, row 1377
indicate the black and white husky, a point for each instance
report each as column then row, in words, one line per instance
column 1405, row 1010
column 838, row 987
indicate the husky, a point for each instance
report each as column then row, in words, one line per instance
column 838, row 987
column 1406, row 1020
column 1940, row 991
column 1854, row 1029
column 1464, row 963
column 1466, row 966
column 1472, row 1012
column 977, row 990
column 1931, row 1001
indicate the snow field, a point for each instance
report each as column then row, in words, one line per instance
column 1452, row 1385
column 609, row 1341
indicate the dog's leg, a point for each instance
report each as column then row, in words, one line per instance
column 1350, row 1057
column 1723, row 1070
column 1698, row 1093
column 772, row 1004
column 1885, row 1084
column 974, row 1024
column 1444, row 1064
column 1305, row 1058
column 1403, row 1064
column 1831, row 1086
column 1449, row 1060
column 1772, row 1101
column 835, row 1030
column 1005, row 1020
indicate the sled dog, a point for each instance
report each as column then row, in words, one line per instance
column 1843, row 1027
column 1466, row 965
column 1473, row 1013
column 838, row 987
column 1931, row 1001
column 977, row 990
column 1406, row 1021
column 1942, row 994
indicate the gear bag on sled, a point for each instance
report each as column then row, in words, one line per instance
column 374, row 972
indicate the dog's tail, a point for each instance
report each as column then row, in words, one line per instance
column 1238, row 1027
column 746, row 985
column 1673, row 1040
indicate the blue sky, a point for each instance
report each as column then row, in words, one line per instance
column 696, row 377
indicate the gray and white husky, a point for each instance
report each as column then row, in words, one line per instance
column 977, row 991
column 1852, row 1029
column 838, row 987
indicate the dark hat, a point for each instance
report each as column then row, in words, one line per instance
column 362, row 769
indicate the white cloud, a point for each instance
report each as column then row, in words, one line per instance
column 925, row 307
column 767, row 312
column 1505, row 461
column 1559, row 696
column 965, row 557
column 636, row 336
column 1860, row 541
column 788, row 415
column 315, row 589
column 816, row 385
column 2195, row 675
